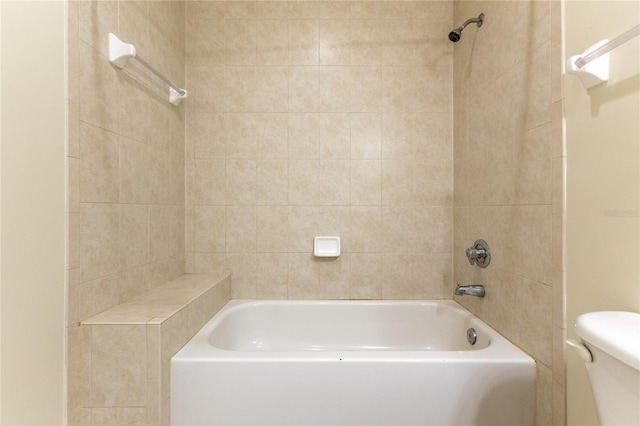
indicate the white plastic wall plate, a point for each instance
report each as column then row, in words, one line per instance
column 119, row 51
column 595, row 72
column 175, row 97
column 326, row 246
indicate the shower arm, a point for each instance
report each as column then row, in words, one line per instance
column 479, row 20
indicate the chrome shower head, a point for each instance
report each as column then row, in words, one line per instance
column 456, row 34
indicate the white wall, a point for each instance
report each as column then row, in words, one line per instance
column 603, row 184
column 32, row 212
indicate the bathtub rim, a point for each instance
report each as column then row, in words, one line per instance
column 199, row 348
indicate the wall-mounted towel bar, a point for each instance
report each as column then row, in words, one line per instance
column 120, row 53
column 592, row 67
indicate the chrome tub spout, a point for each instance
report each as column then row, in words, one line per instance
column 471, row 290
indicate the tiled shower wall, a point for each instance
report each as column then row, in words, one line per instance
column 321, row 118
column 509, row 173
column 125, row 163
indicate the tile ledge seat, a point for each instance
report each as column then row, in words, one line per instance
column 161, row 303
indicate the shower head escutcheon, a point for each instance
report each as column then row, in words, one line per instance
column 455, row 35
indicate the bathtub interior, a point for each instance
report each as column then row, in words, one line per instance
column 344, row 325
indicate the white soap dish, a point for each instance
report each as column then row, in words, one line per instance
column 326, row 246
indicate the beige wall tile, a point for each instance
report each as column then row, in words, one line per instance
column 334, row 138
column 73, row 121
column 272, row 182
column 243, row 267
column 134, row 172
column 303, row 89
column 559, row 353
column 240, row 88
column 98, row 90
column 365, row 49
column 272, row 89
column 118, row 378
column 303, row 182
column 382, row 9
column 559, row 404
column 72, row 196
column 272, row 42
column 154, row 402
column 544, row 395
column 272, row 270
column 133, row 282
column 533, row 324
column 303, row 42
column 431, row 276
column 334, row 182
column 134, row 416
column 72, row 368
column 204, row 27
column 531, row 234
column 398, row 235
column 173, row 334
column 395, row 177
column 335, row 42
column 209, row 229
column 334, row 84
column 97, row 20
column 207, row 85
column 159, row 238
column 366, row 136
column 398, row 89
column 429, row 181
column 397, row 135
column 397, row 276
column 209, row 178
column 366, row 229
column 535, row 23
column 318, row 9
column 240, row 182
column 240, row 228
column 98, row 295
column 240, row 42
column 207, row 132
column 134, row 235
column 303, row 135
column 334, row 221
column 302, row 228
column 161, row 130
column 366, row 282
column 533, row 174
column 73, row 241
column 366, row 89
column 241, row 132
column 99, row 165
column 491, row 114
column 397, row 42
column 159, row 177
column 133, row 110
column 99, row 240
column 533, row 93
column 366, row 182
column 272, row 136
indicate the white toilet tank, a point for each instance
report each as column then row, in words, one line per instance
column 613, row 338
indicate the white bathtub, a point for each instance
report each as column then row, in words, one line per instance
column 349, row 363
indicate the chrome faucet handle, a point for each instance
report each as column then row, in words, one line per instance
column 479, row 254
column 473, row 253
